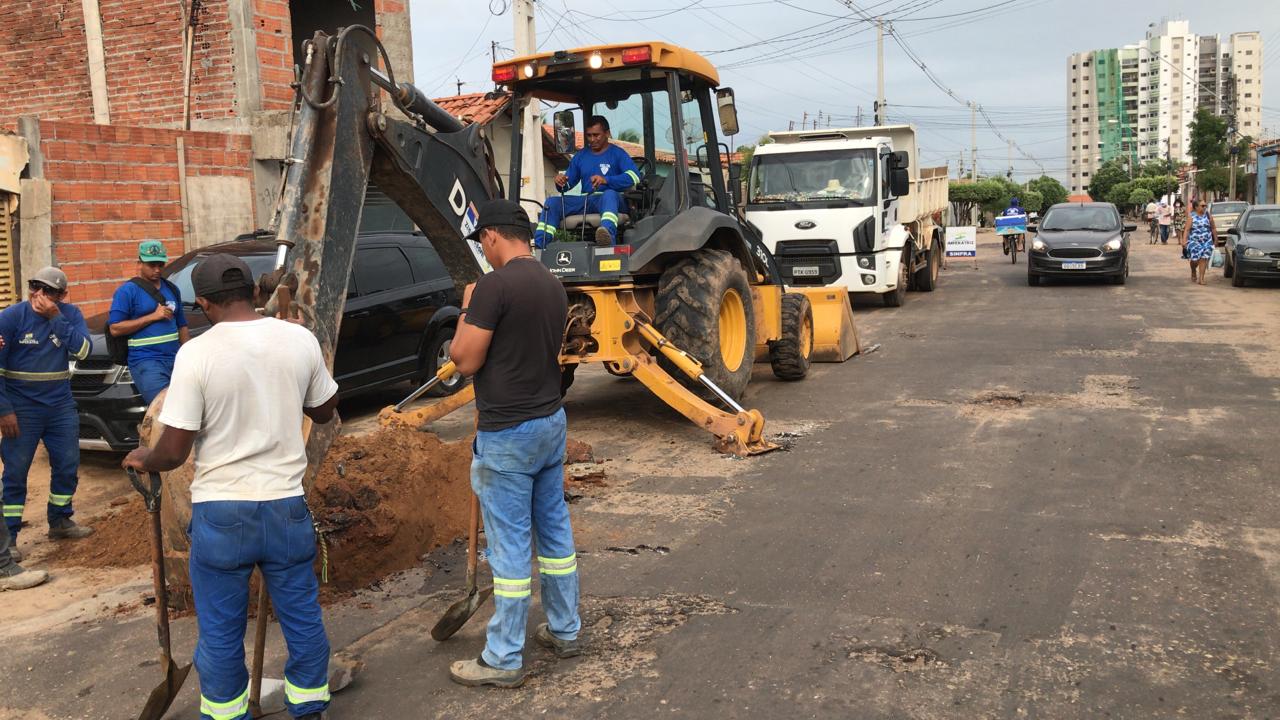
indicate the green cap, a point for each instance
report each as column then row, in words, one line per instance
column 152, row 251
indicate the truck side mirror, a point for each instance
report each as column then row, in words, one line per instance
column 566, row 133
column 899, row 181
column 902, row 159
column 728, row 112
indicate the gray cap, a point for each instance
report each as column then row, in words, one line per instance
column 51, row 276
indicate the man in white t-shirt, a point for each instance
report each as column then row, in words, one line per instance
column 238, row 395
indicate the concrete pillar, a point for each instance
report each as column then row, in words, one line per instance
column 97, row 61
column 244, row 53
column 396, row 35
column 35, row 225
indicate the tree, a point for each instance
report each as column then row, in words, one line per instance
column 629, row 135
column 966, row 196
column 1159, row 185
column 1111, row 173
column 1208, row 139
column 1156, row 168
column 747, row 152
column 1140, row 196
column 1213, row 180
column 1004, row 191
column 1032, row 200
column 1118, row 194
column 1051, row 191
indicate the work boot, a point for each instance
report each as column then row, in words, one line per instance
column 313, row 716
column 603, row 238
column 67, row 529
column 474, row 673
column 19, row 578
column 562, row 648
column 16, row 555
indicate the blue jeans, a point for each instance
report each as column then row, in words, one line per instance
column 228, row 538
column 518, row 474
column 1164, row 233
column 150, row 377
column 606, row 202
column 59, row 428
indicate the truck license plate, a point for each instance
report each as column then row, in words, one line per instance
column 1077, row 265
column 805, row 271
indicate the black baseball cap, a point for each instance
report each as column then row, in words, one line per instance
column 499, row 213
column 220, row 272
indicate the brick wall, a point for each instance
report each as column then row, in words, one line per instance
column 275, row 52
column 42, row 52
column 113, row 187
column 143, row 43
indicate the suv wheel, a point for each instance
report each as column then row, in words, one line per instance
column 437, row 354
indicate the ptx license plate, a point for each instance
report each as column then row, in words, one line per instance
column 1077, row 265
column 805, row 271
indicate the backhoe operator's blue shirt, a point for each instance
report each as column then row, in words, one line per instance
column 614, row 165
column 159, row 340
column 34, row 362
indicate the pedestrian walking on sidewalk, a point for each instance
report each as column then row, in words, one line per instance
column 1197, row 242
column 42, row 336
column 147, row 312
column 241, row 390
column 1164, row 216
column 509, row 340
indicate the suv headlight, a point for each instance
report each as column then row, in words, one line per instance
column 1113, row 245
column 122, row 375
column 1254, row 253
column 1039, row 245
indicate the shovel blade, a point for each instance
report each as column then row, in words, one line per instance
column 162, row 697
column 459, row 613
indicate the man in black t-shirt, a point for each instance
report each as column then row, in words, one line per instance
column 509, row 340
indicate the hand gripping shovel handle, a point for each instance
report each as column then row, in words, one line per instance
column 445, row 372
column 163, row 695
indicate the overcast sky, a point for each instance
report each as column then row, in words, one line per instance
column 786, row 58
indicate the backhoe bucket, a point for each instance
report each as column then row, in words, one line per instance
column 835, row 339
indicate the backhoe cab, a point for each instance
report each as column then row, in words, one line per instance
column 687, row 282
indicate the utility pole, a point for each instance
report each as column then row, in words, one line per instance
column 804, row 121
column 859, row 121
column 532, row 178
column 973, row 135
column 817, row 122
column 879, row 71
column 1010, row 160
column 459, row 83
column 493, row 51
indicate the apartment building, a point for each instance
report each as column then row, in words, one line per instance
column 1137, row 102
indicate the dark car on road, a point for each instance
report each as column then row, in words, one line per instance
column 1080, row 240
column 400, row 315
column 1253, row 246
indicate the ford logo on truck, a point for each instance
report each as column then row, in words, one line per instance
column 806, row 225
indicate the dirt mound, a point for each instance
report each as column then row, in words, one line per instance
column 386, row 498
column 120, row 539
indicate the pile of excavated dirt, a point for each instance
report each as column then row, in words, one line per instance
column 382, row 499
column 386, row 498
column 120, row 539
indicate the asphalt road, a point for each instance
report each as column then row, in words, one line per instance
column 1052, row 502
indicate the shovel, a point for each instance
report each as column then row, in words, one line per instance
column 460, row 612
column 162, row 697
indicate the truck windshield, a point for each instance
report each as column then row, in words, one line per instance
column 847, row 175
column 1098, row 218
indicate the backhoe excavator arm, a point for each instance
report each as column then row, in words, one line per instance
column 343, row 138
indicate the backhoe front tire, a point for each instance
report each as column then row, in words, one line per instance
column 790, row 354
column 704, row 307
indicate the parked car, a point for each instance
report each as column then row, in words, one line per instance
column 1253, row 246
column 1080, row 239
column 1225, row 214
column 401, row 312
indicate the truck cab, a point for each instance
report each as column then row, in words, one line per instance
column 842, row 207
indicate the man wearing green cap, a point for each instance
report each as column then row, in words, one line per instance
column 148, row 311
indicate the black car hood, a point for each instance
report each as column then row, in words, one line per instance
column 97, row 324
column 1268, row 242
column 1076, row 238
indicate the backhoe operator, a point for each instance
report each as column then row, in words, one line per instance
column 605, row 170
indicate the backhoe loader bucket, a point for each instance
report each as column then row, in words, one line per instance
column 835, row 339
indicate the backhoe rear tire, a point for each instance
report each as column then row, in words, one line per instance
column 790, row 354
column 704, row 307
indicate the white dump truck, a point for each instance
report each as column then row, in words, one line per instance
column 850, row 207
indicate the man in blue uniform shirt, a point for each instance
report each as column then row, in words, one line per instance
column 155, row 329
column 42, row 335
column 604, row 170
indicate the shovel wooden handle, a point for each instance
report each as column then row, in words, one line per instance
column 473, row 543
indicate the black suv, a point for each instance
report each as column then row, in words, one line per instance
column 400, row 316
